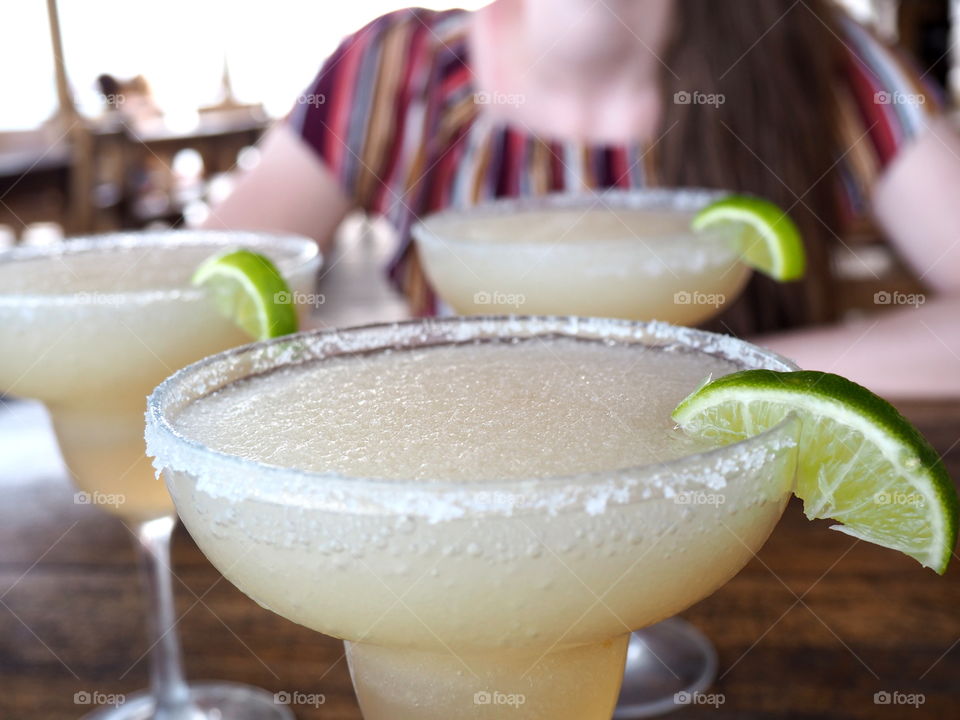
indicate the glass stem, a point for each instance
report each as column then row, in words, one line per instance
column 167, row 685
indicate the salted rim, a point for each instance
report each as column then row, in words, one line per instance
column 231, row 477
column 303, row 253
column 687, row 200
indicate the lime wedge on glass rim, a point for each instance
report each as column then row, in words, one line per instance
column 765, row 236
column 249, row 289
column 860, row 462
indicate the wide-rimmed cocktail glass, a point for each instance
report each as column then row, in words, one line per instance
column 89, row 327
column 457, row 599
column 618, row 253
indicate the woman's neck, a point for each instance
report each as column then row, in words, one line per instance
column 574, row 69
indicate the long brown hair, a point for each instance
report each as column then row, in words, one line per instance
column 773, row 63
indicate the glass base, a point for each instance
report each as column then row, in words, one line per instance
column 667, row 664
column 214, row 700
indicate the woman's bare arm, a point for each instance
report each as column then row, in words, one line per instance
column 907, row 352
column 917, row 202
column 289, row 190
column 913, row 350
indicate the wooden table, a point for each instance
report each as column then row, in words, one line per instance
column 812, row 628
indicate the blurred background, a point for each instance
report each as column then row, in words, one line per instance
column 124, row 114
column 121, row 114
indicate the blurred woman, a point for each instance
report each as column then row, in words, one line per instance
column 793, row 101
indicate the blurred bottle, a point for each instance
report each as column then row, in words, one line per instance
column 42, row 233
column 8, row 238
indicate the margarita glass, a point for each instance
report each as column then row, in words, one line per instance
column 89, row 327
column 626, row 254
column 482, row 508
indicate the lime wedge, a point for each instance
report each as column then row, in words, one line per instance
column 249, row 290
column 767, row 239
column 860, row 462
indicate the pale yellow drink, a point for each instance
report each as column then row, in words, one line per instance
column 631, row 256
column 91, row 327
column 484, row 522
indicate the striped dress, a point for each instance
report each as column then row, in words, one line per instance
column 394, row 115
